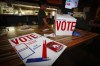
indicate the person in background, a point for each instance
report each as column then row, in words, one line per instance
column 98, row 12
column 42, row 20
column 49, row 18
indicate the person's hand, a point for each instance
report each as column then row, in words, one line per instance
column 47, row 26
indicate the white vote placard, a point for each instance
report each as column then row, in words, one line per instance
column 37, row 50
column 64, row 24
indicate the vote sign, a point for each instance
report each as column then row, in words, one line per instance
column 64, row 24
column 37, row 50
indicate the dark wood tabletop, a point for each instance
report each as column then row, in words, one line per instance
column 9, row 57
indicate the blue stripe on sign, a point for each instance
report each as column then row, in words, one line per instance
column 28, row 56
column 36, row 60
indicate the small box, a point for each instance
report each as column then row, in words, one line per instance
column 64, row 24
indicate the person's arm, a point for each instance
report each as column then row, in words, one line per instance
column 45, row 22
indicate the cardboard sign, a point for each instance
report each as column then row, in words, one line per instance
column 64, row 24
column 71, row 4
column 37, row 50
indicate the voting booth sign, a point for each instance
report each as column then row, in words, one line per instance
column 64, row 24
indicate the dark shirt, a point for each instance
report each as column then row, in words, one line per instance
column 41, row 15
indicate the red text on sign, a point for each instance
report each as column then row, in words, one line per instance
column 63, row 25
column 23, row 38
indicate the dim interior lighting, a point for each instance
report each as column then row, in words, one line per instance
column 51, row 9
column 11, row 28
column 11, row 31
column 53, row 13
column 52, row 26
column 30, row 6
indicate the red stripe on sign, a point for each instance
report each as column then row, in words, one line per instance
column 44, row 51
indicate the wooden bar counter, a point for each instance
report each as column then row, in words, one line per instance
column 9, row 57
